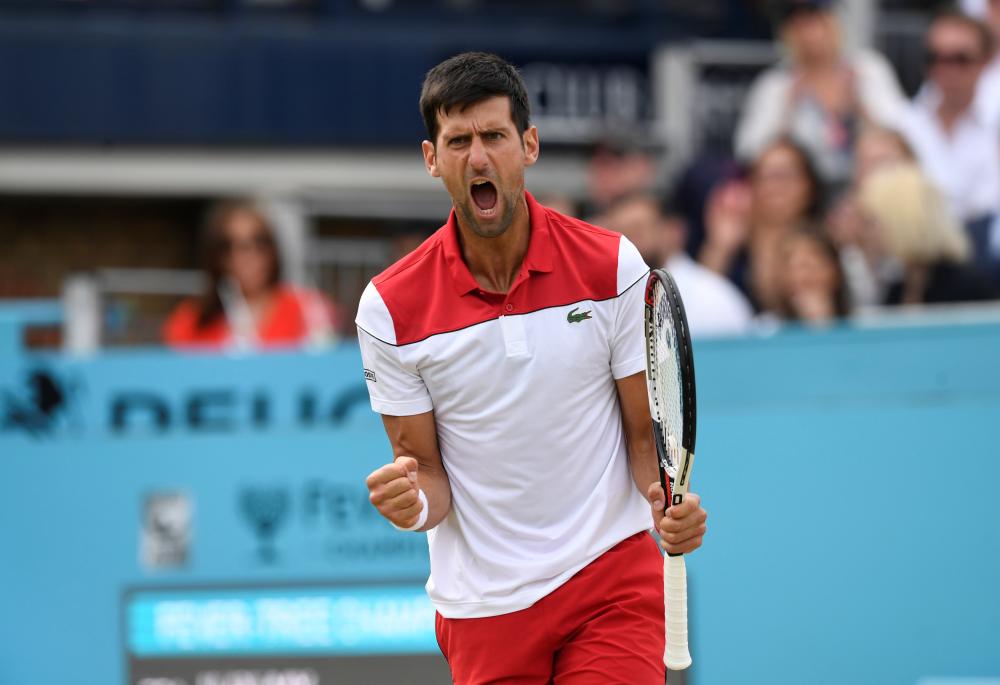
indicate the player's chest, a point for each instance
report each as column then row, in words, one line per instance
column 565, row 347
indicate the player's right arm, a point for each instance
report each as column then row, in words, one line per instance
column 399, row 395
column 416, row 466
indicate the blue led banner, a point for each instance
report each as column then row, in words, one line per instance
column 321, row 621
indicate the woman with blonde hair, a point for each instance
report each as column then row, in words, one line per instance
column 916, row 230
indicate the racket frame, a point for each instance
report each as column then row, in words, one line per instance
column 676, row 654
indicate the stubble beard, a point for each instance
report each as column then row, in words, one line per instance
column 506, row 218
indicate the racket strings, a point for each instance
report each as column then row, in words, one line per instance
column 685, row 370
column 666, row 391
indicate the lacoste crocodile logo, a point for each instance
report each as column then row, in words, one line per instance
column 573, row 317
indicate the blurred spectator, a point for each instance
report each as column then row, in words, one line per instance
column 917, row 232
column 988, row 91
column 878, row 147
column 615, row 170
column 813, row 286
column 818, row 95
column 246, row 304
column 714, row 306
column 851, row 231
column 745, row 227
column 561, row 203
column 955, row 143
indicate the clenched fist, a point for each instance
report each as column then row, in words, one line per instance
column 393, row 490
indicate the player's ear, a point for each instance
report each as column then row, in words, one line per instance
column 529, row 141
column 430, row 158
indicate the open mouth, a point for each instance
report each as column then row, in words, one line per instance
column 484, row 194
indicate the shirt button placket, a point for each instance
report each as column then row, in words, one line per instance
column 508, row 307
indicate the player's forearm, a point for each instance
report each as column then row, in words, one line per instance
column 642, row 461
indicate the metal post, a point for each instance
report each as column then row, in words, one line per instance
column 859, row 19
column 674, row 96
column 291, row 227
column 81, row 300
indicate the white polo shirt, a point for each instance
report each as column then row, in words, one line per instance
column 522, row 386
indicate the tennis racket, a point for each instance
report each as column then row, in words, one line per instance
column 670, row 381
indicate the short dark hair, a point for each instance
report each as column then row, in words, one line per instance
column 980, row 28
column 468, row 78
column 784, row 10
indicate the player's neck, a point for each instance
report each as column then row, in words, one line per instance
column 495, row 262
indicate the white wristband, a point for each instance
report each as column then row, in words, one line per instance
column 422, row 518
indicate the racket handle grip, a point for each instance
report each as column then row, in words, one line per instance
column 676, row 655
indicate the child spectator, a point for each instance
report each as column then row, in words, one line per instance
column 813, row 287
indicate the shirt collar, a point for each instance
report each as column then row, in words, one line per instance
column 929, row 99
column 538, row 258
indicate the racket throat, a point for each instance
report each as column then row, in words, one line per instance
column 663, row 459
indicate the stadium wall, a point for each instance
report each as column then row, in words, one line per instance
column 167, row 515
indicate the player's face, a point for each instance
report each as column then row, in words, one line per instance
column 480, row 157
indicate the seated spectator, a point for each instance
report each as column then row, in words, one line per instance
column 246, row 304
column 920, row 235
column 988, row 90
column 615, row 169
column 745, row 227
column 559, row 202
column 956, row 144
column 877, row 147
column 820, row 96
column 813, row 287
column 714, row 306
column 846, row 225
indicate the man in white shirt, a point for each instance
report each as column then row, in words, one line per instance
column 953, row 139
column 988, row 90
column 507, row 359
column 714, row 306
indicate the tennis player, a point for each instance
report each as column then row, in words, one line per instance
column 506, row 357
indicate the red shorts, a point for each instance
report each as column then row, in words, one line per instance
column 604, row 626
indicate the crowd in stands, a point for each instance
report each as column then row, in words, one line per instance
column 843, row 195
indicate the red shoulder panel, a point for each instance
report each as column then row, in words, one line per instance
column 431, row 291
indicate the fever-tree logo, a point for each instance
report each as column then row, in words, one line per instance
column 265, row 509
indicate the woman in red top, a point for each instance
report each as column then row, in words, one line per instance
column 245, row 304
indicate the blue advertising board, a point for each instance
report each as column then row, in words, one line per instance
column 174, row 516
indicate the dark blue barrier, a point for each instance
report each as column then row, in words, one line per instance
column 335, row 76
column 160, row 506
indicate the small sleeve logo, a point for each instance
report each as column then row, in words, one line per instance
column 370, row 375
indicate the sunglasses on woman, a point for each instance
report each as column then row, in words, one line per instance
column 260, row 242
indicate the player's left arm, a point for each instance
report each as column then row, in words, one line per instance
column 682, row 528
